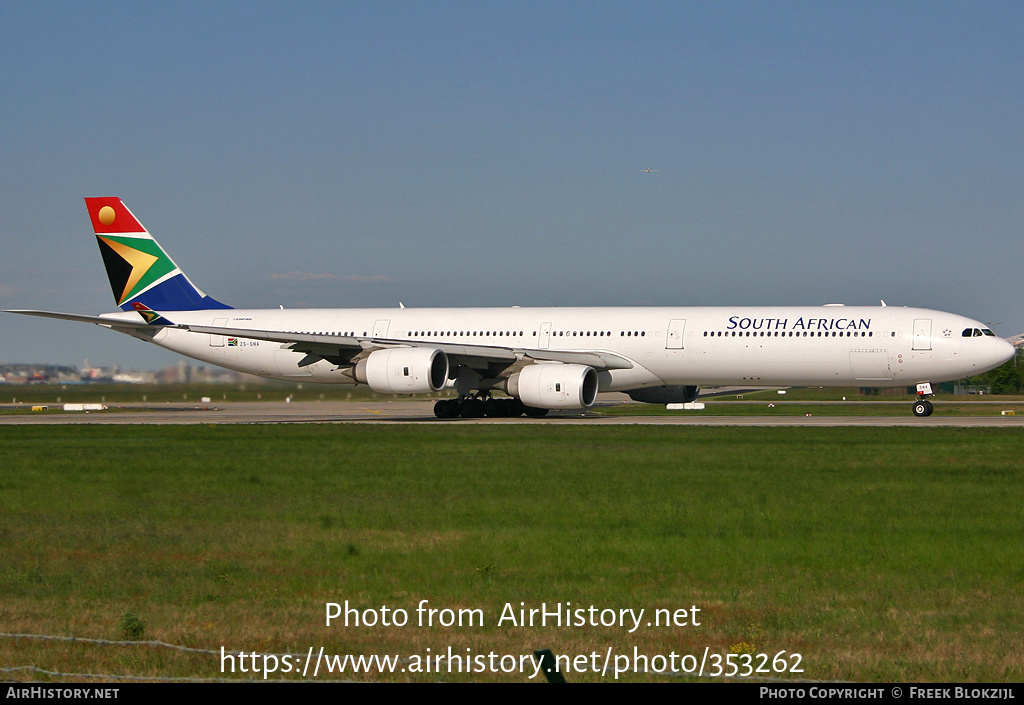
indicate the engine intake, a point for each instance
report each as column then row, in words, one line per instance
column 403, row 370
column 555, row 386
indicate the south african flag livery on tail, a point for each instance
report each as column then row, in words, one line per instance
column 142, row 276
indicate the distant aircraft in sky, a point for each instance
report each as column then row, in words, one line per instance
column 542, row 358
column 648, row 170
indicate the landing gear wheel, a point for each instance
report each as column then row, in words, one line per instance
column 499, row 408
column 923, row 408
column 446, row 409
column 472, row 409
column 534, row 413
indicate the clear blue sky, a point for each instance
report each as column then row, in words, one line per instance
column 465, row 153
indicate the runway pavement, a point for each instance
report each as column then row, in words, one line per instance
column 416, row 411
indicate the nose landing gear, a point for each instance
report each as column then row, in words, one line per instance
column 923, row 407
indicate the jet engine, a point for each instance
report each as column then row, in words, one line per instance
column 403, row 370
column 554, row 386
column 673, row 394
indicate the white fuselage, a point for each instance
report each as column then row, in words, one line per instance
column 769, row 346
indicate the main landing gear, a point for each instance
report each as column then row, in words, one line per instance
column 477, row 408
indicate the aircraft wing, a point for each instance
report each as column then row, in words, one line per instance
column 340, row 347
column 276, row 336
column 108, row 321
column 598, row 359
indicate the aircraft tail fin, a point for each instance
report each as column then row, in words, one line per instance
column 140, row 272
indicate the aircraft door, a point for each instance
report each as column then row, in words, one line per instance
column 380, row 329
column 922, row 334
column 217, row 341
column 676, row 327
column 545, row 336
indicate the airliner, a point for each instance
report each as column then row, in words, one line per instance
column 515, row 361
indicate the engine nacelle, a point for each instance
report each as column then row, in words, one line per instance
column 674, row 394
column 555, row 386
column 403, row 370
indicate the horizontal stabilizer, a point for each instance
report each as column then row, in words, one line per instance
column 111, row 321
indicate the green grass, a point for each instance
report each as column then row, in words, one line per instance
column 272, row 390
column 837, row 394
column 818, row 401
column 796, row 408
column 263, row 390
column 877, row 554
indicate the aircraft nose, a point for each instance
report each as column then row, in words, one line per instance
column 1004, row 351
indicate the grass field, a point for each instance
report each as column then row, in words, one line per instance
column 796, row 408
column 876, row 554
column 163, row 393
column 278, row 391
column 796, row 402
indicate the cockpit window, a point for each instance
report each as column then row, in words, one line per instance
column 976, row 332
column 968, row 332
column 986, row 331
